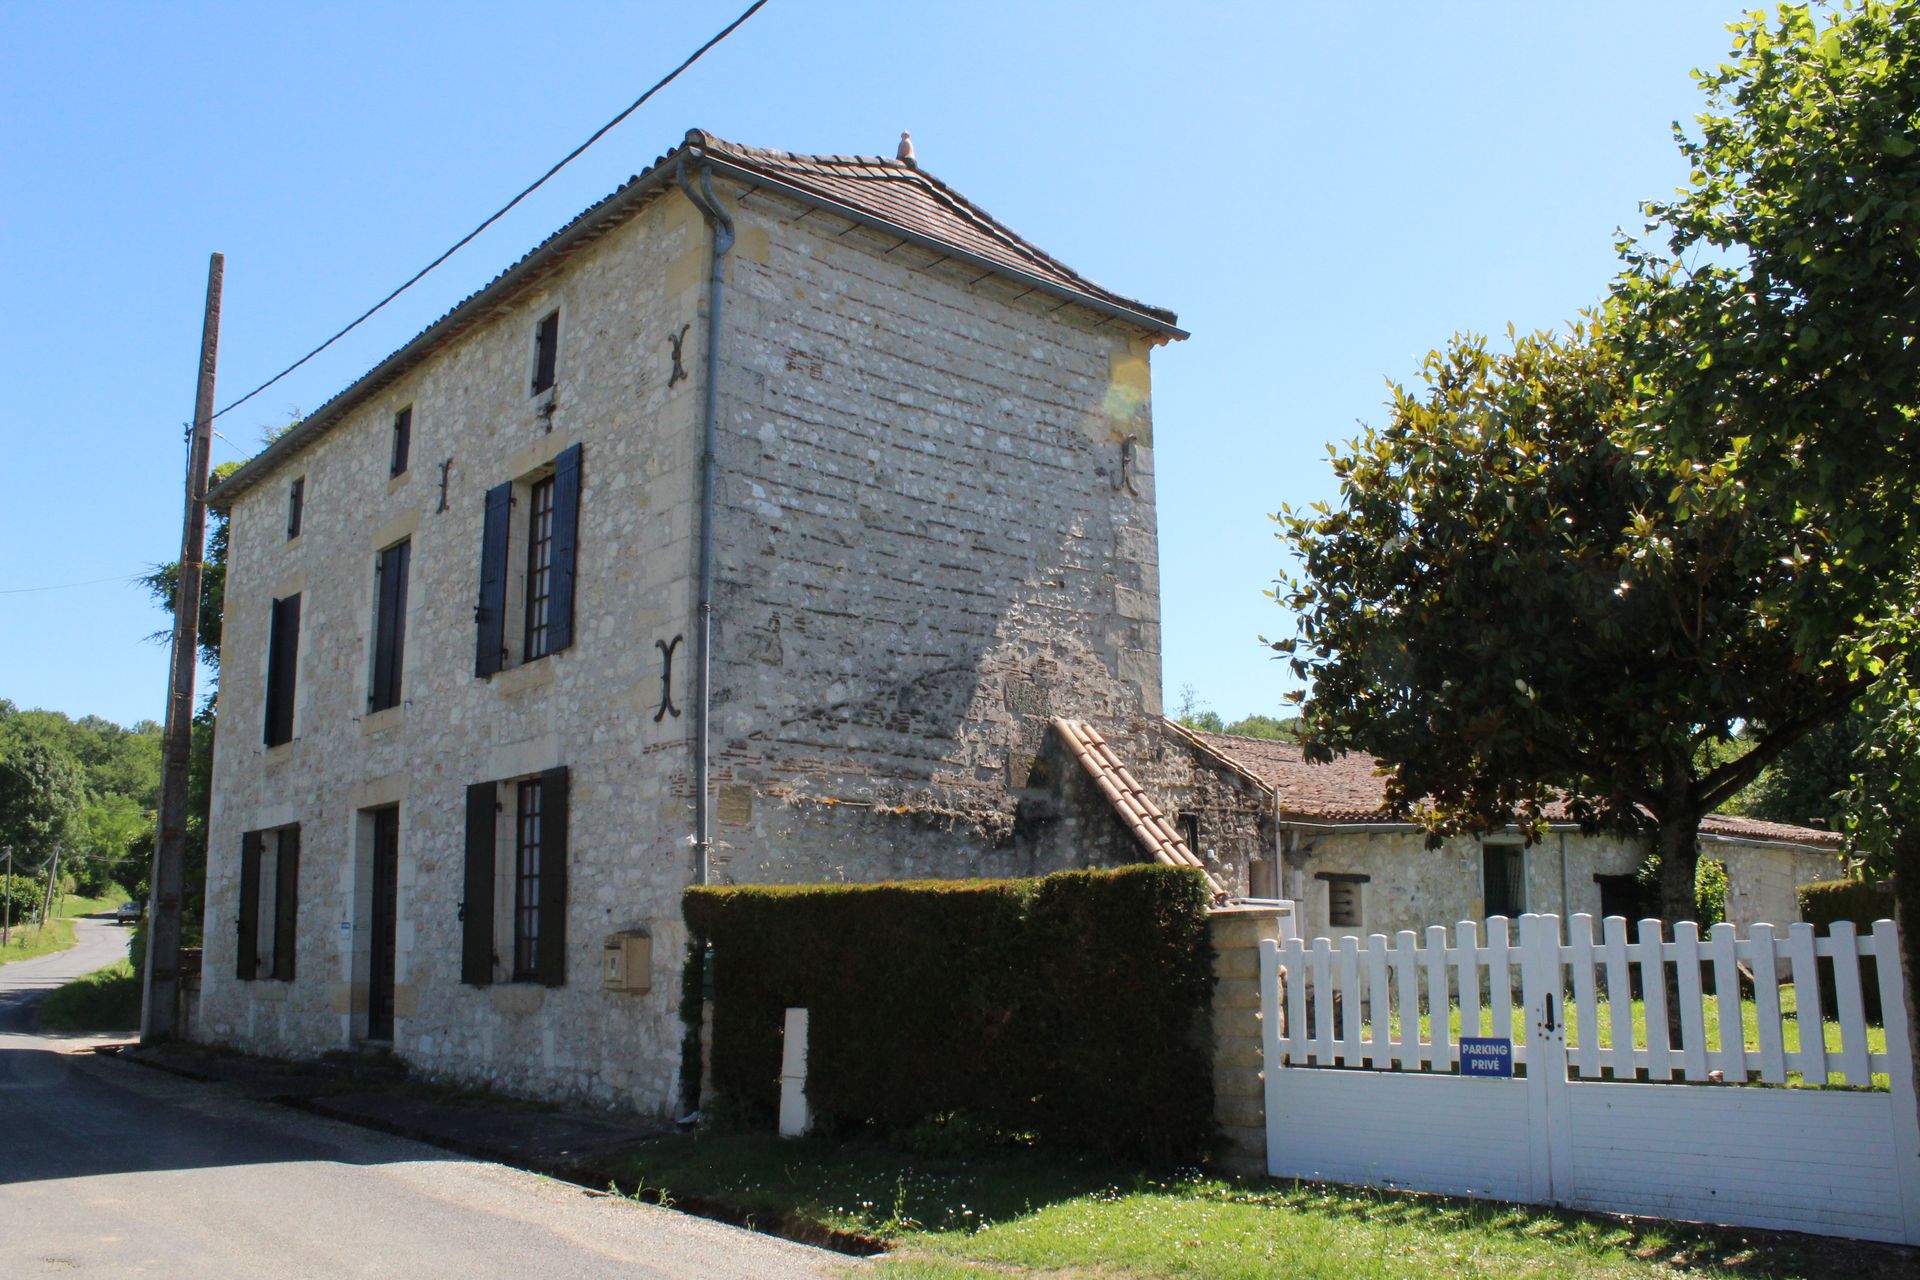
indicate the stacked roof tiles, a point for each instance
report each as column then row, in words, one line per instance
column 1150, row 826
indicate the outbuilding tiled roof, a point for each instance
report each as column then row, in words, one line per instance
column 1150, row 825
column 1353, row 788
column 893, row 196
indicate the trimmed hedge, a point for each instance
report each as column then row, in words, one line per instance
column 1826, row 902
column 1072, row 1006
column 1861, row 901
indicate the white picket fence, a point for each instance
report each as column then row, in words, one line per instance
column 1361, row 1063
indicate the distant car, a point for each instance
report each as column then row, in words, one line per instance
column 128, row 913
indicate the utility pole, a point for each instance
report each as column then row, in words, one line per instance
column 160, row 1001
column 53, row 873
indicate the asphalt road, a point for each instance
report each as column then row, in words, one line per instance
column 114, row 1169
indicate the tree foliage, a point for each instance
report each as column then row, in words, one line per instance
column 1504, row 607
column 40, row 796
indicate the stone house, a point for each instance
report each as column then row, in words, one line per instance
column 1327, row 843
column 759, row 525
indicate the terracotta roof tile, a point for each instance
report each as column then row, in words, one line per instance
column 1353, row 788
column 1150, row 825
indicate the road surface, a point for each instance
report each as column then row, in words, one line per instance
column 113, row 1169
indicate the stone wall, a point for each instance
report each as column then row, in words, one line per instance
column 934, row 536
column 1410, row 886
column 589, row 707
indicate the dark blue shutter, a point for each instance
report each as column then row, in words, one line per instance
column 286, row 902
column 550, row 960
column 490, row 615
column 390, row 625
column 247, row 955
column 566, row 547
column 283, row 662
column 476, row 907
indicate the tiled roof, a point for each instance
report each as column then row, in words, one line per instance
column 1150, row 826
column 1353, row 788
column 901, row 194
column 894, row 195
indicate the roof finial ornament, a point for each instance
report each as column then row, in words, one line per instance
column 905, row 154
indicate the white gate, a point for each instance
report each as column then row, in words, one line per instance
column 1363, row 1050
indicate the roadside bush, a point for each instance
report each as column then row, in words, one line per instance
column 24, row 894
column 1861, row 901
column 1072, row 1007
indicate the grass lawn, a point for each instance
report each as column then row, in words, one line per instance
column 105, row 1000
column 1023, row 1212
column 28, row 942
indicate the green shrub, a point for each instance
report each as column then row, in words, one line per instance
column 1861, row 901
column 24, row 894
column 1073, row 1007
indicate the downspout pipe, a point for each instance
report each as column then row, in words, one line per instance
column 721, row 226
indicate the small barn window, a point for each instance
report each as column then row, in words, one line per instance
column 1190, row 831
column 296, row 500
column 1343, row 898
column 546, row 351
column 402, row 442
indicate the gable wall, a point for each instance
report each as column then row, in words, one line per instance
column 922, row 555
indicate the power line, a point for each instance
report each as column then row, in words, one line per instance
column 666, row 80
column 68, row 586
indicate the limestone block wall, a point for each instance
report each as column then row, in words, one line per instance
column 1762, row 879
column 1239, row 1082
column 936, row 532
column 590, row 707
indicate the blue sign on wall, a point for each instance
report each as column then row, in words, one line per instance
column 1485, row 1056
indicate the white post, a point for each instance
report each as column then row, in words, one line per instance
column 794, row 1117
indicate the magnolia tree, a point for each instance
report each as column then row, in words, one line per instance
column 1503, row 606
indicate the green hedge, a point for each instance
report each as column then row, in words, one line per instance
column 1827, row 902
column 25, row 893
column 1072, row 1006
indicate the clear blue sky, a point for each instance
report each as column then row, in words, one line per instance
column 1323, row 192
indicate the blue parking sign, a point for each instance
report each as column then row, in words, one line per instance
column 1485, row 1056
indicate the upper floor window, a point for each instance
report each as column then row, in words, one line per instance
column 283, row 663
column 402, row 442
column 389, row 625
column 526, row 606
column 296, row 499
column 539, row 569
column 546, row 351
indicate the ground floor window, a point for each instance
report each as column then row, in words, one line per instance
column 267, row 916
column 1503, row 879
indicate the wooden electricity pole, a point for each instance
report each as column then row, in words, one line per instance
column 160, row 1001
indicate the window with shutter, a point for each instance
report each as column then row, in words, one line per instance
column 389, row 625
column 526, row 608
column 546, row 351
column 402, row 442
column 476, row 904
column 296, row 499
column 283, row 662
